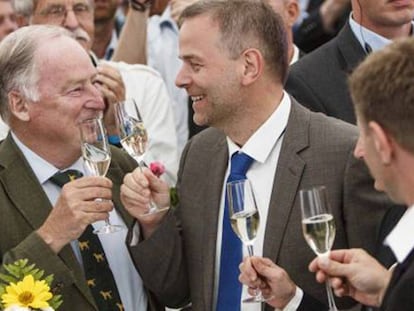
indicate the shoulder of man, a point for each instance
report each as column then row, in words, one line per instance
column 140, row 69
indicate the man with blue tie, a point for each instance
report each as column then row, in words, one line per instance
column 234, row 68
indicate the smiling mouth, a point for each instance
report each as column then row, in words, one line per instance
column 197, row 98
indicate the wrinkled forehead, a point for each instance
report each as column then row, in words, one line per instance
column 44, row 3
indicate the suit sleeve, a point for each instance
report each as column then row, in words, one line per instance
column 160, row 260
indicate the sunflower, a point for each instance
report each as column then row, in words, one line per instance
column 27, row 293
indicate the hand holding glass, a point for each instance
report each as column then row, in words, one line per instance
column 134, row 139
column 318, row 227
column 244, row 218
column 97, row 157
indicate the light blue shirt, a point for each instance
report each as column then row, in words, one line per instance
column 162, row 55
column 127, row 279
column 303, row 13
column 366, row 36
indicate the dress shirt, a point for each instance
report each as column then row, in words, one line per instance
column 127, row 279
column 401, row 238
column 295, row 56
column 264, row 147
column 303, row 12
column 4, row 129
column 366, row 36
column 162, row 55
column 110, row 49
column 147, row 88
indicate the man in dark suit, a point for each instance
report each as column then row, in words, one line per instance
column 319, row 22
column 319, row 80
column 235, row 77
column 43, row 99
column 387, row 146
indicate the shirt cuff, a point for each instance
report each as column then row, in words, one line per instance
column 135, row 235
column 294, row 303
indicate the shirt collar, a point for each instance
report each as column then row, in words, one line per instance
column 295, row 56
column 166, row 19
column 42, row 169
column 366, row 36
column 262, row 142
column 111, row 46
column 400, row 239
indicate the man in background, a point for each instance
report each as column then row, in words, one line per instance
column 319, row 80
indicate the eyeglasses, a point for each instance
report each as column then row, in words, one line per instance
column 58, row 13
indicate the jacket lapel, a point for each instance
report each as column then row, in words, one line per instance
column 287, row 178
column 350, row 48
column 28, row 197
column 218, row 166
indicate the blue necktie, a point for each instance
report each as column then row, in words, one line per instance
column 229, row 290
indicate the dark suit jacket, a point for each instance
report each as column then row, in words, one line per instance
column 178, row 261
column 310, row 34
column 24, row 207
column 399, row 295
column 319, row 80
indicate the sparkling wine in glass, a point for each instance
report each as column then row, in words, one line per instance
column 244, row 219
column 96, row 154
column 134, row 139
column 318, row 226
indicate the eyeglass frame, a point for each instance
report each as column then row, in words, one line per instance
column 59, row 12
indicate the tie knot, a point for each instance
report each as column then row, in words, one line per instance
column 240, row 163
column 61, row 178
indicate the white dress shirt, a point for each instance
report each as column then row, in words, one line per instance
column 127, row 279
column 162, row 55
column 401, row 238
column 264, row 147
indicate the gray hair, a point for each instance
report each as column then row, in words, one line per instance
column 247, row 24
column 24, row 7
column 17, row 62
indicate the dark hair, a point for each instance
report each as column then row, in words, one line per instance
column 247, row 24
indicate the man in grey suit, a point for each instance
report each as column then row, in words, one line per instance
column 234, row 68
column 319, row 80
column 45, row 91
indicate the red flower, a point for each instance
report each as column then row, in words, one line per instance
column 157, row 168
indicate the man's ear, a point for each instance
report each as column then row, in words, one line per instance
column 293, row 10
column 252, row 62
column 383, row 142
column 18, row 106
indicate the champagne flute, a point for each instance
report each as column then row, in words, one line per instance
column 244, row 219
column 96, row 154
column 134, row 139
column 318, row 227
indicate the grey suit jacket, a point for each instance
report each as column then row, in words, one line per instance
column 319, row 80
column 24, row 207
column 316, row 150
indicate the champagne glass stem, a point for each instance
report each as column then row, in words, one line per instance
column 331, row 300
column 257, row 292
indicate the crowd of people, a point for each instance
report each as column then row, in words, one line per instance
column 288, row 94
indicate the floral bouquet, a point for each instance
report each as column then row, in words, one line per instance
column 23, row 289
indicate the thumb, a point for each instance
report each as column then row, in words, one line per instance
column 156, row 184
column 333, row 268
